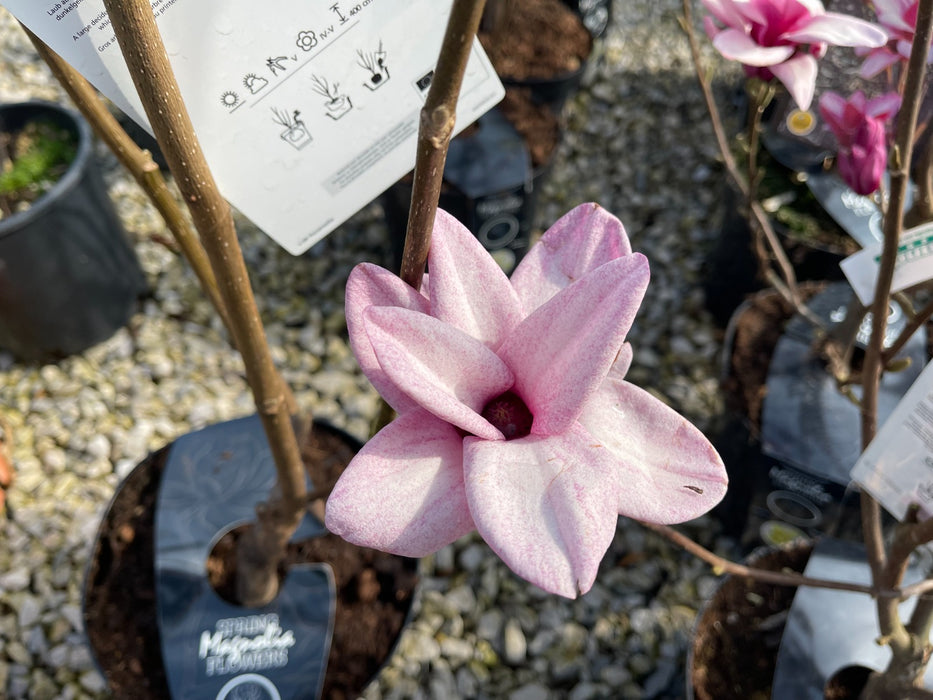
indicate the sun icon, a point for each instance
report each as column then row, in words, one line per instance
column 229, row 99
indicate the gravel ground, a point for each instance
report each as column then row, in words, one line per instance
column 637, row 142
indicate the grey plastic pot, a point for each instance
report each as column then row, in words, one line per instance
column 68, row 276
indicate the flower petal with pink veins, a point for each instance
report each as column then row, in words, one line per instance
column 443, row 369
column 738, row 46
column 667, row 471
column 403, row 492
column 546, row 506
column 470, row 291
column 799, row 77
column 562, row 352
column 580, row 241
column 838, row 30
column 370, row 285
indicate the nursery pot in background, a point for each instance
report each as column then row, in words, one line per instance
column 68, row 276
column 739, row 629
column 791, row 435
column 157, row 604
column 543, row 46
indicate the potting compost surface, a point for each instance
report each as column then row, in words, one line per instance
column 636, row 139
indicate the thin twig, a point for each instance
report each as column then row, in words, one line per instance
column 721, row 564
column 759, row 216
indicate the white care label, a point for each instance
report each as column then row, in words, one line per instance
column 897, row 467
column 305, row 111
column 914, row 263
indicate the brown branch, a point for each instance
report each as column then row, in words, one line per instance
column 885, row 573
column 437, row 125
column 260, row 552
column 721, row 564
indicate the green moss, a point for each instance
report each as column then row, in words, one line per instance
column 33, row 161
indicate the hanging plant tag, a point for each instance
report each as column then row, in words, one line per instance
column 914, row 263
column 213, row 649
column 897, row 467
column 306, row 111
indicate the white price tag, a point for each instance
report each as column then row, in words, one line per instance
column 897, row 467
column 914, row 263
column 305, row 111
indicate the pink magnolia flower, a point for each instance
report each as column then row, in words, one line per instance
column 514, row 417
column 898, row 18
column 783, row 38
column 859, row 126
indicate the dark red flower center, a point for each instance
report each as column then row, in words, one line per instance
column 509, row 414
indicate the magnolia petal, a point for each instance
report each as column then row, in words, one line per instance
column 884, row 106
column 838, row 30
column 403, row 493
column 546, row 506
column 666, row 470
column 832, row 105
column 469, row 290
column 558, row 359
column 731, row 15
column 799, row 77
column 738, row 46
column 891, row 14
column 580, row 241
column 443, row 369
column 370, row 285
column 876, row 62
column 623, row 361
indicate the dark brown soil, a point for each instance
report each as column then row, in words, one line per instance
column 755, row 334
column 536, row 123
column 534, row 39
column 374, row 590
column 739, row 631
column 847, row 683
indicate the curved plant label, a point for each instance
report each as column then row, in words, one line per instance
column 306, row 111
column 214, row 649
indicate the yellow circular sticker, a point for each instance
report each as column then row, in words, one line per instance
column 800, row 122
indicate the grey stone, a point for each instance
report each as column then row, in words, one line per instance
column 514, row 645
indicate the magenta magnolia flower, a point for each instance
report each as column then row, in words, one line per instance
column 898, row 18
column 514, row 418
column 783, row 38
column 859, row 127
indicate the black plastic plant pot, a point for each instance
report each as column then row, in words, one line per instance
column 68, row 276
column 831, row 635
column 791, row 435
column 554, row 90
column 158, row 606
